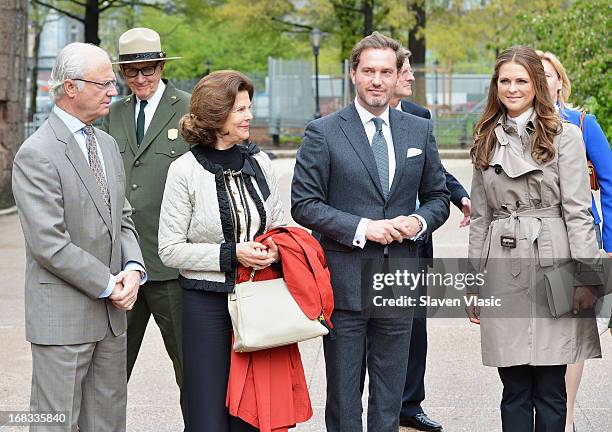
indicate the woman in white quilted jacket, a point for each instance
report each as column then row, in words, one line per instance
column 219, row 196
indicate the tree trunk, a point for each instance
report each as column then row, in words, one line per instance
column 92, row 19
column 13, row 57
column 368, row 17
column 38, row 28
column 416, row 44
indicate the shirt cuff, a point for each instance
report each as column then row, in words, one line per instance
column 109, row 288
column 360, row 235
column 420, row 233
column 134, row 265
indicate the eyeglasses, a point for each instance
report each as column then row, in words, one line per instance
column 108, row 85
column 131, row 72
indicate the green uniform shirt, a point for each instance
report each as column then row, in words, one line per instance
column 146, row 166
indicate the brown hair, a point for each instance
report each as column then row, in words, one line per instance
column 407, row 54
column 547, row 122
column 378, row 41
column 566, row 85
column 211, row 103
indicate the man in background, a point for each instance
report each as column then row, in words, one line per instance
column 145, row 125
column 412, row 413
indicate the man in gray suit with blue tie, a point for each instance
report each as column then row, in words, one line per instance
column 357, row 177
column 83, row 262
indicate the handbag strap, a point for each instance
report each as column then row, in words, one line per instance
column 582, row 116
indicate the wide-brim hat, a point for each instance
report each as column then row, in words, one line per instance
column 140, row 44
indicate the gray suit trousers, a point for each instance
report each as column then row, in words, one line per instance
column 86, row 381
column 388, row 344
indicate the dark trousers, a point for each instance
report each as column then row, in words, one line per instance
column 528, row 388
column 414, row 389
column 162, row 299
column 388, row 343
column 207, row 343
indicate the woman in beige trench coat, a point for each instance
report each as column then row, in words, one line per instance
column 530, row 212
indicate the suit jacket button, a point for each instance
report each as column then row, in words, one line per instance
column 172, row 152
column 134, row 186
column 137, row 163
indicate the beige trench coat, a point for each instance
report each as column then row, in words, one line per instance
column 547, row 209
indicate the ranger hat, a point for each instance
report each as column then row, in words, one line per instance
column 140, row 44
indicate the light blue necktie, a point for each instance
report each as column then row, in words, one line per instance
column 379, row 148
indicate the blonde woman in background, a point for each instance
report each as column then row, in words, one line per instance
column 599, row 153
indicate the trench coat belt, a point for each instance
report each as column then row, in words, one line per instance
column 544, row 236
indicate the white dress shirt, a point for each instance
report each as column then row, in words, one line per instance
column 76, row 128
column 152, row 103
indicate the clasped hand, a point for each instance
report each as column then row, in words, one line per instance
column 257, row 255
column 125, row 292
column 386, row 231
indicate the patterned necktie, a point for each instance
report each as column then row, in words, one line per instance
column 379, row 148
column 140, row 122
column 95, row 164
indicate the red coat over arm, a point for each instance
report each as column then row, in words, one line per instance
column 267, row 388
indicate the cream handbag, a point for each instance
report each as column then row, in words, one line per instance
column 265, row 315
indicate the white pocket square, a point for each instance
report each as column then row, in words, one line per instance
column 413, row 151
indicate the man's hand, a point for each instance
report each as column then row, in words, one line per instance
column 466, row 209
column 585, row 298
column 473, row 312
column 254, row 255
column 126, row 290
column 408, row 226
column 383, row 232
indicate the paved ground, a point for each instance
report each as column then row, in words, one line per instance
column 461, row 393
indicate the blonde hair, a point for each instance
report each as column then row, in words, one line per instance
column 566, row 85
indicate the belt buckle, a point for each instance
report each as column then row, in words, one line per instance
column 508, row 241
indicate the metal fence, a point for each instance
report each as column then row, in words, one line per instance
column 284, row 102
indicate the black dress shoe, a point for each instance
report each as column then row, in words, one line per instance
column 420, row 422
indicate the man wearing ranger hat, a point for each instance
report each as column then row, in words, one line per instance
column 145, row 125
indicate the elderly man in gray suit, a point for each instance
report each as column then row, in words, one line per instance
column 357, row 176
column 83, row 262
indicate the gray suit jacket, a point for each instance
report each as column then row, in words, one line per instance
column 336, row 183
column 72, row 243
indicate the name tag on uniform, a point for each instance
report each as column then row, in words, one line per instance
column 172, row 134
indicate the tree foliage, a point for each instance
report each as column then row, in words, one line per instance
column 236, row 34
column 579, row 36
column 89, row 12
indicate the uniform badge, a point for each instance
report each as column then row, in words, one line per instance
column 172, row 134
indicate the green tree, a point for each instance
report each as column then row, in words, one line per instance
column 237, row 34
column 89, row 11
